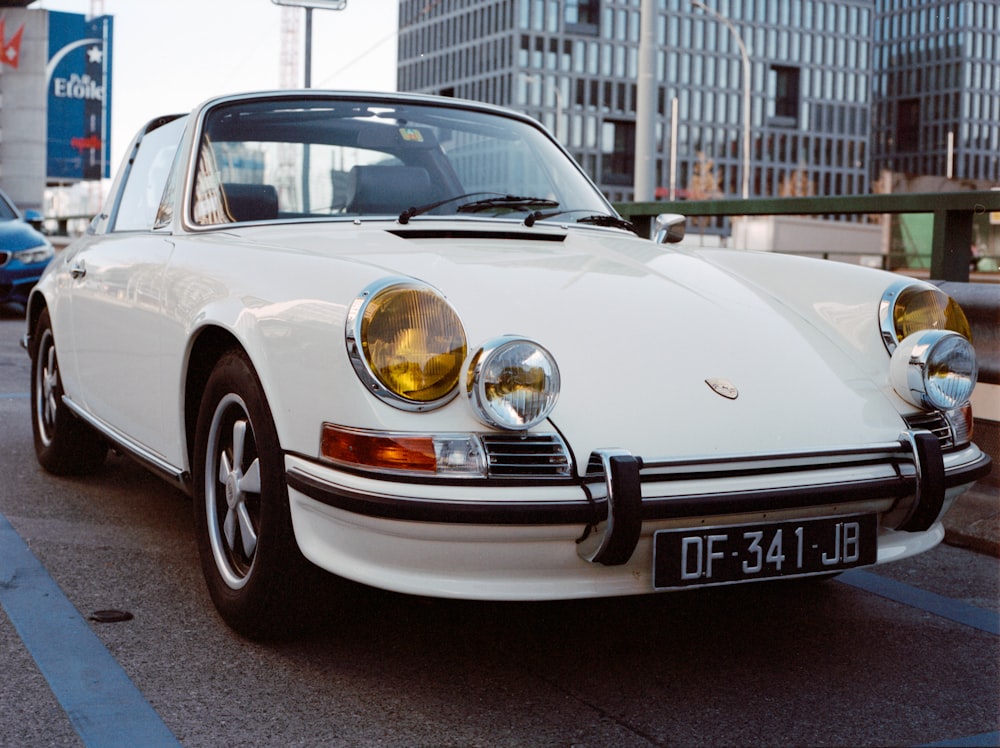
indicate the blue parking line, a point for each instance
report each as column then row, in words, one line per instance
column 103, row 705
column 939, row 605
column 986, row 740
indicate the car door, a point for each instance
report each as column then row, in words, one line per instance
column 117, row 302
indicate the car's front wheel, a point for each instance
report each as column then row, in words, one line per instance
column 249, row 556
column 64, row 445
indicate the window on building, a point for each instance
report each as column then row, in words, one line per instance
column 582, row 16
column 783, row 85
column 618, row 152
column 908, row 125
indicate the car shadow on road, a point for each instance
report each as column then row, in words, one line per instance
column 11, row 311
column 346, row 618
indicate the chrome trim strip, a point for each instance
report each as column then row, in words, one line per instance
column 135, row 450
column 417, row 509
column 895, row 483
column 824, row 458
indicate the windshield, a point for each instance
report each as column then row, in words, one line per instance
column 285, row 158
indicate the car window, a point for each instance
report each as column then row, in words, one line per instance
column 287, row 159
column 7, row 212
column 254, row 180
column 147, row 177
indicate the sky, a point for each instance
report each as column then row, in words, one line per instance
column 170, row 55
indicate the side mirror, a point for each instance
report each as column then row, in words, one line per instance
column 670, row 228
column 35, row 219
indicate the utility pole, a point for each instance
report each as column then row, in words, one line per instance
column 745, row 57
column 290, row 43
column 309, row 6
column 645, row 106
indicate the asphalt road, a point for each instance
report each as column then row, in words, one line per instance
column 907, row 655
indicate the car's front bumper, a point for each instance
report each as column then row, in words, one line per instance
column 594, row 536
column 16, row 283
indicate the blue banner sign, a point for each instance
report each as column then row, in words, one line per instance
column 78, row 76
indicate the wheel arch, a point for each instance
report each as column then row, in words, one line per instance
column 33, row 311
column 207, row 347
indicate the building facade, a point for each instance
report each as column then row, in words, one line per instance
column 832, row 87
column 937, row 88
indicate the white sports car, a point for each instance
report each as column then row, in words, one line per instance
column 405, row 339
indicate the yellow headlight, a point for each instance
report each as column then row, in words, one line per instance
column 911, row 307
column 412, row 344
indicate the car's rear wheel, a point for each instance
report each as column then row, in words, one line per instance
column 251, row 562
column 64, row 445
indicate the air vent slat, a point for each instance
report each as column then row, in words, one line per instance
column 514, row 456
column 936, row 423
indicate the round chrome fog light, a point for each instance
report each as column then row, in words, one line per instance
column 934, row 369
column 513, row 383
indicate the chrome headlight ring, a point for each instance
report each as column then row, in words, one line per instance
column 406, row 344
column 908, row 306
column 512, row 383
column 934, row 369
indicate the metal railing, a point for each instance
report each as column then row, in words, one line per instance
column 954, row 213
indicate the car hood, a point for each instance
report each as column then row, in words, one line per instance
column 16, row 235
column 641, row 334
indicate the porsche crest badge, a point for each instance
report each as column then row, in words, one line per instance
column 723, row 387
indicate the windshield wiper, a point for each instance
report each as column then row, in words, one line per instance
column 610, row 221
column 596, row 219
column 499, row 200
column 514, row 202
column 409, row 213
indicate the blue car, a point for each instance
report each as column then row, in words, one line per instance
column 24, row 253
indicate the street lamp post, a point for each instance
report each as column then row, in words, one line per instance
column 644, row 179
column 746, row 92
column 310, row 5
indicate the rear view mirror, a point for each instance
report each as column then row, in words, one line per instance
column 670, row 228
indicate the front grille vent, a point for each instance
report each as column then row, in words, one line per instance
column 526, row 456
column 936, row 423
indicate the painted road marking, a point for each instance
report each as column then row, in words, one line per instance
column 103, row 705
column 939, row 605
column 106, row 708
column 944, row 607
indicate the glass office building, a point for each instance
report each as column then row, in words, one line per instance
column 937, row 88
column 839, row 89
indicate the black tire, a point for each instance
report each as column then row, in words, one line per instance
column 64, row 445
column 251, row 562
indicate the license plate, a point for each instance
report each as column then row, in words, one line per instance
column 742, row 553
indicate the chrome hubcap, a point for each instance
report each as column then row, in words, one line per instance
column 47, row 387
column 232, row 491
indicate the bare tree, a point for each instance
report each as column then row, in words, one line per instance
column 703, row 185
column 797, row 184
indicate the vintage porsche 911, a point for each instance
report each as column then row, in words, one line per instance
column 406, row 340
